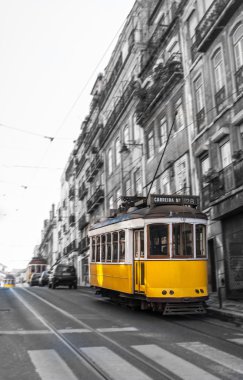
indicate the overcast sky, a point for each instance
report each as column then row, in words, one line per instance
column 51, row 53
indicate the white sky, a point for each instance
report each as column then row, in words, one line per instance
column 51, row 52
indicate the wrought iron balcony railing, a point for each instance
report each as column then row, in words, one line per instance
column 84, row 244
column 82, row 191
column 239, row 80
column 83, row 222
column 95, row 200
column 220, row 97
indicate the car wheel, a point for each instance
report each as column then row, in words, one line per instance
column 75, row 286
column 70, row 286
column 49, row 286
column 53, row 285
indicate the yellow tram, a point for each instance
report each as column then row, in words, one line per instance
column 7, row 281
column 153, row 256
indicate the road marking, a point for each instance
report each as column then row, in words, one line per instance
column 25, row 332
column 71, row 331
column 111, row 363
column 50, row 365
column 178, row 366
column 236, row 340
column 226, row 360
column 116, row 329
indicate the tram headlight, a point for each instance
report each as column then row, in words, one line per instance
column 197, row 291
column 201, row 290
column 164, row 292
column 172, row 292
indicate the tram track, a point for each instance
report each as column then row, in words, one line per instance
column 159, row 374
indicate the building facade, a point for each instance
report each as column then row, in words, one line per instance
column 165, row 117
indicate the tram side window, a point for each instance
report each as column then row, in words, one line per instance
column 93, row 249
column 115, row 247
column 159, row 240
column 97, row 248
column 108, row 246
column 182, row 239
column 102, row 247
column 200, row 240
column 122, row 246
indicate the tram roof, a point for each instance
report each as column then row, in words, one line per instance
column 162, row 211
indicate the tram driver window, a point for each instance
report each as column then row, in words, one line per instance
column 159, row 240
column 108, row 247
column 93, row 249
column 200, row 240
column 182, row 240
column 122, row 246
column 115, row 247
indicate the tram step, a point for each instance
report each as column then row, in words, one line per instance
column 184, row 308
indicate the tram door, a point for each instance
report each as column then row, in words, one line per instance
column 139, row 264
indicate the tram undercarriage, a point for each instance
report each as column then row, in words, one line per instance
column 164, row 306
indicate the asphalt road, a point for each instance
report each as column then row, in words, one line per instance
column 65, row 334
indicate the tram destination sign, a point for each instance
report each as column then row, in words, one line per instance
column 164, row 199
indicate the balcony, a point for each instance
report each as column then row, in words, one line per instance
column 223, row 182
column 116, row 113
column 83, row 222
column 71, row 247
column 84, row 245
column 82, row 192
column 216, row 17
column 80, row 164
column 96, row 199
column 165, row 79
column 239, row 80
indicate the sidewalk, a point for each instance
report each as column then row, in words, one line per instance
column 231, row 310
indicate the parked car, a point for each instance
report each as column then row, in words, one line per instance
column 44, row 278
column 34, row 280
column 62, row 274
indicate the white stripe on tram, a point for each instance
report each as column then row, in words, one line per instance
column 72, row 331
column 226, row 360
column 49, row 365
column 112, row 364
column 176, row 365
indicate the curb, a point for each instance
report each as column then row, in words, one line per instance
column 226, row 315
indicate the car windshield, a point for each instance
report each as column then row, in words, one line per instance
column 65, row 269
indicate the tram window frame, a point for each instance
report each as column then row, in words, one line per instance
column 115, row 246
column 182, row 243
column 108, row 247
column 158, row 256
column 122, row 246
column 93, row 249
column 97, row 241
column 103, row 248
column 138, row 246
column 203, row 241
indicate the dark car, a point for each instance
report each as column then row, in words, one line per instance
column 44, row 278
column 62, row 274
column 34, row 280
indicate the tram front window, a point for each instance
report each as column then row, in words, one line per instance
column 182, row 239
column 200, row 240
column 159, row 240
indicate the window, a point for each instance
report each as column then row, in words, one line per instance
column 218, row 70
column 93, row 249
column 102, row 245
column 108, row 247
column 150, row 144
column 97, row 248
column 128, row 187
column 163, row 131
column 122, row 246
column 138, row 182
column 198, row 88
column 238, row 47
column 225, row 153
column 115, row 247
column 139, row 243
column 125, row 135
column 181, row 176
column 200, row 240
column 118, row 197
column 159, row 240
column 179, row 120
column 182, row 240
column 111, row 203
column 165, row 182
column 136, row 129
column 109, row 161
column 205, row 166
column 117, row 152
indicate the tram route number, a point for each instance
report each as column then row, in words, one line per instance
column 176, row 200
